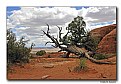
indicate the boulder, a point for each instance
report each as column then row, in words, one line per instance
column 108, row 43
column 102, row 31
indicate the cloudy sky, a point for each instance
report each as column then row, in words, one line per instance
column 29, row 21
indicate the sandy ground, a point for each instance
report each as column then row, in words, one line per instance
column 62, row 68
column 34, row 50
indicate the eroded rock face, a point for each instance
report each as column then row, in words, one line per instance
column 108, row 43
column 106, row 37
column 102, row 31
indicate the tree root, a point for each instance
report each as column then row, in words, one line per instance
column 97, row 61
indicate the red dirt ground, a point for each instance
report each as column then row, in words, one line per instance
column 62, row 68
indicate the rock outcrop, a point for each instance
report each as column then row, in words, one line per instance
column 107, row 38
column 108, row 43
column 102, row 31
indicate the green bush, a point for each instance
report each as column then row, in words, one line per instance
column 100, row 56
column 16, row 50
column 81, row 66
column 41, row 52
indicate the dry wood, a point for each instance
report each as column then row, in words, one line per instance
column 73, row 48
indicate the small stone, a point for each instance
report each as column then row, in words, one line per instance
column 45, row 77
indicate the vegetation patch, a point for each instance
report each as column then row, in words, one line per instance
column 17, row 52
column 100, row 56
column 82, row 66
column 103, row 56
column 41, row 52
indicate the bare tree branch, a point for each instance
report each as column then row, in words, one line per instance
column 48, row 42
column 48, row 29
column 54, row 46
column 71, row 48
column 54, row 40
column 60, row 29
column 67, row 31
column 60, row 50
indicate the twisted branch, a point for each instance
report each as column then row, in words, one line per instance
column 72, row 48
column 60, row 29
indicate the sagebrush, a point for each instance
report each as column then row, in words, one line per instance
column 41, row 52
column 17, row 52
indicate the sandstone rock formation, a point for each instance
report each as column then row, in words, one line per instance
column 102, row 31
column 108, row 43
column 107, row 38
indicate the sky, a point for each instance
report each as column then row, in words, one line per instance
column 29, row 21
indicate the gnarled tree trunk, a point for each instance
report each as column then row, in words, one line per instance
column 72, row 48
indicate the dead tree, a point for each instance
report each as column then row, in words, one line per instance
column 70, row 48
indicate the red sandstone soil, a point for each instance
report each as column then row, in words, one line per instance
column 62, row 68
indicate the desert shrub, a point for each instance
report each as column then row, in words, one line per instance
column 16, row 50
column 41, row 52
column 100, row 56
column 81, row 66
column 83, row 63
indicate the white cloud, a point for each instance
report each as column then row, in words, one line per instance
column 29, row 21
column 102, row 14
